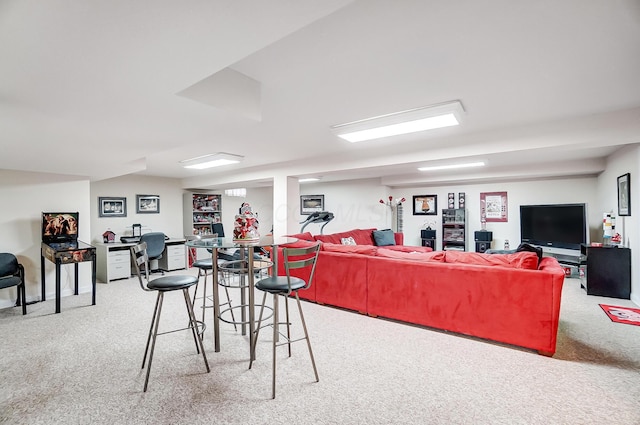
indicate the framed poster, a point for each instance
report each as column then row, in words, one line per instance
column 147, row 204
column 112, row 206
column 493, row 206
column 624, row 195
column 311, row 203
column 425, row 205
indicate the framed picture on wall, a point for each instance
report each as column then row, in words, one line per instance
column 425, row 205
column 493, row 206
column 112, row 206
column 147, row 204
column 311, row 203
column 624, row 195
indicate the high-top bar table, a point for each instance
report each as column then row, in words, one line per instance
column 214, row 244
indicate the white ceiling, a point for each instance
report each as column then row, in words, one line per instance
column 102, row 89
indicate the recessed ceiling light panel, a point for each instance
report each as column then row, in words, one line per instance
column 453, row 166
column 213, row 160
column 405, row 122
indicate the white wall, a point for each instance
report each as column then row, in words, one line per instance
column 626, row 160
column 26, row 196
column 168, row 220
column 559, row 191
column 355, row 205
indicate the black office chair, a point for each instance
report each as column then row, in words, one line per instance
column 294, row 258
column 155, row 247
column 162, row 285
column 12, row 274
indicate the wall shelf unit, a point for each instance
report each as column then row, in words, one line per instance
column 200, row 211
column 454, row 234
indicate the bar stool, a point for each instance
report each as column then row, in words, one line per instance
column 294, row 258
column 205, row 268
column 162, row 285
column 234, row 275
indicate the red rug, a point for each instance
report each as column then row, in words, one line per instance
column 628, row 315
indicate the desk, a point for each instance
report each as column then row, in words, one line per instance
column 67, row 253
column 227, row 243
column 114, row 259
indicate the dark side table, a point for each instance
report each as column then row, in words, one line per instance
column 67, row 253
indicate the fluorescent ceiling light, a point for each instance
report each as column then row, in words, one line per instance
column 309, row 179
column 411, row 121
column 452, row 166
column 213, row 160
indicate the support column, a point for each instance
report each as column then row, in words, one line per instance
column 286, row 201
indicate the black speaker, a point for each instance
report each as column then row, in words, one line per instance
column 431, row 243
column 483, row 235
column 428, row 234
column 482, row 246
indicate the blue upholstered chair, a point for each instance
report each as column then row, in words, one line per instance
column 155, row 247
column 12, row 274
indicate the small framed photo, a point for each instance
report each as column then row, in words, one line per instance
column 147, row 204
column 112, row 206
column 311, row 203
column 624, row 195
column 425, row 205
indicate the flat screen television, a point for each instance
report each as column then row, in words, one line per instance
column 59, row 227
column 557, row 226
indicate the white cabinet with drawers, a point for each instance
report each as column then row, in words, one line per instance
column 173, row 257
column 113, row 262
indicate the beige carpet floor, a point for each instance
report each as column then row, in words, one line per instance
column 82, row 366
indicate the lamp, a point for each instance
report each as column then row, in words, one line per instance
column 420, row 119
column 212, row 160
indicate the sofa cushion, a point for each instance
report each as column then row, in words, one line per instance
column 407, row 248
column 361, row 236
column 416, row 256
column 300, row 243
column 519, row 260
column 351, row 249
column 306, row 236
column 384, row 237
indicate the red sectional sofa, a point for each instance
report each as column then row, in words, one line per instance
column 508, row 298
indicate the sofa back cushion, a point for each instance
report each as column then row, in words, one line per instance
column 361, row 236
column 407, row 248
column 519, row 260
column 306, row 236
column 350, row 249
column 438, row 256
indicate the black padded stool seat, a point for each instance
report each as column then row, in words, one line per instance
column 206, row 264
column 172, row 283
column 280, row 284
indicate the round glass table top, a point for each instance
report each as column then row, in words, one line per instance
column 210, row 242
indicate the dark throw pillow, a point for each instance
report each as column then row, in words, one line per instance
column 530, row 248
column 384, row 237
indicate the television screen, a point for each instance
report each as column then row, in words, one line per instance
column 558, row 226
column 59, row 226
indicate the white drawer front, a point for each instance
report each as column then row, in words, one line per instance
column 175, row 250
column 116, row 257
column 175, row 262
column 119, row 271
